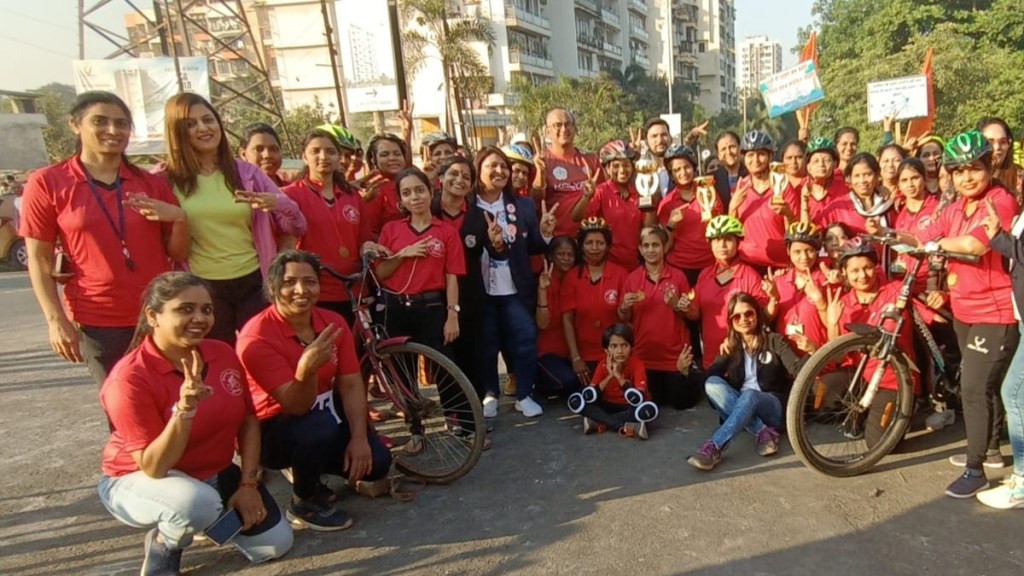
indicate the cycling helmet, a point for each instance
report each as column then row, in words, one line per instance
column 805, row 232
column 756, row 140
column 517, row 153
column 823, row 144
column 680, row 151
column 616, row 150
column 436, row 138
column 964, row 149
column 856, row 247
column 724, row 225
column 594, row 224
column 342, row 137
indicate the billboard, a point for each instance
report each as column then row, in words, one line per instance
column 902, row 98
column 145, row 84
column 367, row 58
column 792, row 89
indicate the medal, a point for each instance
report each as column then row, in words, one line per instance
column 343, row 252
column 951, row 279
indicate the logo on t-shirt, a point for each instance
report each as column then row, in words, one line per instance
column 435, row 248
column 924, row 223
column 231, row 381
column 560, row 173
column 351, row 214
column 611, row 297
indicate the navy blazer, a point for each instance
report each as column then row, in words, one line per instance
column 528, row 242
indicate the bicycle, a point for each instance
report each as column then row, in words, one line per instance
column 828, row 436
column 437, row 426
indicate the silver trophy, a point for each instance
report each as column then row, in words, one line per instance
column 647, row 183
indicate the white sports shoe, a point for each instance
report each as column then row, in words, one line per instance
column 491, row 406
column 529, row 407
column 939, row 420
column 1007, row 496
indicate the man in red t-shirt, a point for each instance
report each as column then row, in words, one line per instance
column 567, row 169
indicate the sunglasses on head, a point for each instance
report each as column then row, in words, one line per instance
column 745, row 315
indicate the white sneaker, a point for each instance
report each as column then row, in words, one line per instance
column 939, row 420
column 491, row 406
column 529, row 407
column 287, row 473
column 1007, row 496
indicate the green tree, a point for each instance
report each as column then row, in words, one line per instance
column 649, row 93
column 453, row 37
column 55, row 102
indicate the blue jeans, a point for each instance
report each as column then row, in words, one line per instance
column 509, row 326
column 182, row 506
column 750, row 410
column 554, row 374
column 1013, row 401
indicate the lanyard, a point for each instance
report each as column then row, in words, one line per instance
column 118, row 229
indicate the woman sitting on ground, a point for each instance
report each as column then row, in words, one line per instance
column 168, row 462
column 749, row 382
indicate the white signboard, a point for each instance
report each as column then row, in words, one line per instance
column 792, row 89
column 675, row 125
column 145, row 85
column 367, row 59
column 904, row 98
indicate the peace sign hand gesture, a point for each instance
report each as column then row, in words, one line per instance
column 544, row 282
column 834, row 307
column 494, row 232
column 991, row 221
column 548, row 221
column 318, row 352
column 192, row 390
column 769, row 286
column 636, row 138
column 591, row 184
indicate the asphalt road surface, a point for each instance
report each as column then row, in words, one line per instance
column 544, row 500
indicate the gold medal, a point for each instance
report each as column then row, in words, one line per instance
column 343, row 252
column 951, row 279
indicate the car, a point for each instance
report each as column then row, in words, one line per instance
column 12, row 246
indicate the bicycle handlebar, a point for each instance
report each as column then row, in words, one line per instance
column 922, row 252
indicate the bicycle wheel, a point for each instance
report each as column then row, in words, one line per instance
column 825, row 422
column 438, row 431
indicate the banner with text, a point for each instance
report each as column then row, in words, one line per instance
column 902, row 98
column 792, row 89
column 145, row 85
column 367, row 59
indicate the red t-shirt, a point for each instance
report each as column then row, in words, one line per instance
column 915, row 223
column 454, row 221
column 334, row 231
column 424, row 274
column 794, row 313
column 818, row 209
column 551, row 340
column 565, row 177
column 712, row 299
column 659, row 330
column 595, row 304
column 856, row 313
column 613, row 392
column 842, row 209
column 383, row 208
column 144, row 386
column 764, row 231
column 979, row 293
column 690, row 249
column 270, row 352
column 624, row 220
column 59, row 205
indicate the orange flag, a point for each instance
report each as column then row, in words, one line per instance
column 920, row 126
column 810, row 52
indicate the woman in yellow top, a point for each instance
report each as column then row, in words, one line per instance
column 239, row 218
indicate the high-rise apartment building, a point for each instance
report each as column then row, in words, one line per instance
column 716, row 55
column 760, row 57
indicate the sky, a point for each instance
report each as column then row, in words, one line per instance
column 39, row 38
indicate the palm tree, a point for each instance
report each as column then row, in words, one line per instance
column 463, row 69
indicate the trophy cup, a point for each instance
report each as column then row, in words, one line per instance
column 706, row 196
column 777, row 172
column 646, row 178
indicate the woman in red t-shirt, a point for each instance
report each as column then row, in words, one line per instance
column 554, row 367
column 765, row 204
column 864, row 200
column 335, row 223
column 889, row 158
column 117, row 227
column 386, row 156
column 179, row 406
column 915, row 215
column 681, row 213
column 261, row 146
column 822, row 183
column 590, row 297
column 796, row 298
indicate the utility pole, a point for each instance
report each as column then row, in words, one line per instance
column 671, row 56
column 331, row 49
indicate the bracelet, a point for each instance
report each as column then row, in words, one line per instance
column 542, row 305
column 183, row 414
column 253, row 485
column 575, row 358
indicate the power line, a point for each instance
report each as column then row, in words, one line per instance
column 39, row 20
column 38, row 47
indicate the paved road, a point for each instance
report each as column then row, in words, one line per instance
column 544, row 500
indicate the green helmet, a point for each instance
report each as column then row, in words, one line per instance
column 341, row 136
column 823, row 144
column 964, row 149
column 724, row 225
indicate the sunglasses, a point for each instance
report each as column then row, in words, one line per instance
column 745, row 315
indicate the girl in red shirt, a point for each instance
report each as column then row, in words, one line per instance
column 823, row 185
column 590, row 297
column 261, row 146
column 764, row 211
column 179, row 406
column 864, row 199
column 386, row 156
column 796, row 298
column 915, row 215
column 335, row 223
column 554, row 367
column 889, row 158
column 794, row 160
column 650, row 297
column 682, row 215
column 117, row 226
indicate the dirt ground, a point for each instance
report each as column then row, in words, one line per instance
column 544, row 500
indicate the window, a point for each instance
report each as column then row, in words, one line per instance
column 702, row 47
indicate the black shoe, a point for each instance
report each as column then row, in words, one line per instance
column 967, row 485
column 319, row 515
column 158, row 559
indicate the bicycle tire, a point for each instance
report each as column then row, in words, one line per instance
column 802, row 415
column 444, row 412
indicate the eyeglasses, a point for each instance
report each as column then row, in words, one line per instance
column 745, row 315
column 561, row 125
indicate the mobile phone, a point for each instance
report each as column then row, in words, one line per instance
column 61, row 266
column 225, row 528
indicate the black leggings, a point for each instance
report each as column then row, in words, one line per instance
column 670, row 388
column 987, row 350
column 614, row 416
column 880, row 414
column 235, row 301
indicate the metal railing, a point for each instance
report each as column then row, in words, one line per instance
column 514, row 13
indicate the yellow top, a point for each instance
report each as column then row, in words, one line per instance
column 222, row 245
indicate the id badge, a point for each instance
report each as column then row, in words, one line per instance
column 794, row 329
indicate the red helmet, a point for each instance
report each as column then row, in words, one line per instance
column 616, row 150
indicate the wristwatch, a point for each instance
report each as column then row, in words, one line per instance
column 455, row 308
column 184, row 414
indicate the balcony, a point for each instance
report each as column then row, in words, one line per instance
column 639, row 33
column 613, row 49
column 638, row 6
column 524, row 62
column 516, row 17
column 687, row 58
column 585, row 73
column 590, row 41
column 641, row 59
column 610, row 18
column 592, row 5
